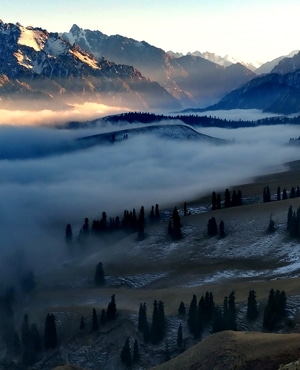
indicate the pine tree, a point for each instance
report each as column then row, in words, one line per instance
column 219, row 201
column 103, row 317
column 126, row 353
column 227, row 199
column 111, row 311
column 252, row 311
column 155, row 330
column 181, row 309
column 136, row 351
column 193, row 317
column 142, row 319
column 99, row 275
column 141, row 223
column 284, row 194
column 232, row 311
column 36, row 338
column 176, row 230
column 157, row 214
column 179, row 336
column 95, row 325
column 69, row 234
column 278, row 193
column 50, row 332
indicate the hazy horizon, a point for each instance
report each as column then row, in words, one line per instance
column 247, row 30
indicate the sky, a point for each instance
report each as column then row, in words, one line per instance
column 250, row 30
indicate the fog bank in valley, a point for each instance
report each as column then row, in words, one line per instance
column 41, row 193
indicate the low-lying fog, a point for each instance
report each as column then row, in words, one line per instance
column 41, row 193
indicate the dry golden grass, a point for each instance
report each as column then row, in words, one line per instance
column 239, row 351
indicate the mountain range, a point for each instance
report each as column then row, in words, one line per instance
column 54, row 70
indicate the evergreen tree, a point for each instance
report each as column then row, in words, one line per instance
column 36, row 338
column 155, row 329
column 227, row 199
column 157, row 214
column 181, row 309
column 147, row 332
column 284, row 194
column 179, row 336
column 212, row 228
column 271, row 226
column 142, row 319
column 111, row 311
column 176, row 230
column 161, row 320
column 193, row 317
column 126, row 353
column 278, row 193
column 136, row 351
column 29, row 355
column 234, row 201
column 217, row 320
column 95, row 325
column 103, row 317
column 252, row 311
column 232, row 312
column 141, row 223
column 293, row 193
column 275, row 309
column 69, row 234
column 50, row 332
column 266, row 194
column 152, row 214
column 99, row 278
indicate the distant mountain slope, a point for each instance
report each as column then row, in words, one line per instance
column 169, row 131
column 287, row 65
column 238, row 350
column 177, row 75
column 269, row 66
column 272, row 92
column 43, row 67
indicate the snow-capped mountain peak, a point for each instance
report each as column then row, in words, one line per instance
column 32, row 37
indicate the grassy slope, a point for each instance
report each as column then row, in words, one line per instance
column 238, row 350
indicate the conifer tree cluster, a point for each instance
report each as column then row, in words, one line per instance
column 230, row 200
column 200, row 313
column 155, row 331
column 212, row 227
column 275, row 309
column 293, row 222
column 30, row 343
column 130, row 223
column 129, row 357
column 294, row 193
column 225, row 319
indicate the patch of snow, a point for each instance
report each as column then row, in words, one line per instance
column 32, row 38
column 134, row 281
column 56, row 47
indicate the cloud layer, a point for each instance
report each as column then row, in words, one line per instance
column 41, row 193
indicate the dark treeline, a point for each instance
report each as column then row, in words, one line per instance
column 131, row 222
column 230, row 200
column 281, row 195
column 205, row 121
